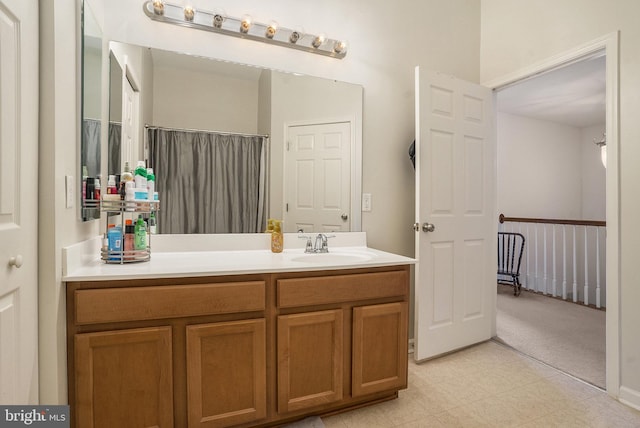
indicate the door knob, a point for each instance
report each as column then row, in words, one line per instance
column 428, row 227
column 16, row 261
column 344, row 216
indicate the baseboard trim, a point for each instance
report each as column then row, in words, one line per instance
column 630, row 397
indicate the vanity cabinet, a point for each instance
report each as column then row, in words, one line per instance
column 235, row 351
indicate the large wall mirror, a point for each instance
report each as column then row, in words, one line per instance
column 232, row 145
column 91, row 111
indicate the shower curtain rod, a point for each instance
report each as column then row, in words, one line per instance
column 205, row 130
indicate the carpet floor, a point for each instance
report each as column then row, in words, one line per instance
column 564, row 335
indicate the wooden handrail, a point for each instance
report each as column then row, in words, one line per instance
column 502, row 218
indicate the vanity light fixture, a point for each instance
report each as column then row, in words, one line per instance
column 219, row 22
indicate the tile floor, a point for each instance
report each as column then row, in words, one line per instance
column 490, row 385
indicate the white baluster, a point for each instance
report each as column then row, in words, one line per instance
column 536, row 271
column 575, row 268
column 586, row 267
column 528, row 264
column 597, row 268
column 554, row 285
column 564, row 262
column 544, row 261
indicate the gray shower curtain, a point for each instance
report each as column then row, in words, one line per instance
column 208, row 182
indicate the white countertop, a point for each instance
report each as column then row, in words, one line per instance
column 184, row 255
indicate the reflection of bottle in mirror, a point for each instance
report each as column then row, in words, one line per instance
column 96, row 190
column 152, row 223
column 151, row 183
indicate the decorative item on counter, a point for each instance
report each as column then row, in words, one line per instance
column 277, row 239
column 114, row 236
column 140, row 242
column 140, row 175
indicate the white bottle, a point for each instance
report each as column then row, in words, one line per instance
column 140, row 175
column 151, row 183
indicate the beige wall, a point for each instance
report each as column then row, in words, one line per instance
column 518, row 33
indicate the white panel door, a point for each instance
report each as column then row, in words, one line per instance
column 130, row 150
column 18, row 201
column 317, row 178
column 455, row 214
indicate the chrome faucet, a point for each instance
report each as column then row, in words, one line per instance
column 320, row 245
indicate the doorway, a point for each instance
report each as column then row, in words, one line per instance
column 606, row 48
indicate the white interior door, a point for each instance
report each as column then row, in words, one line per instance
column 18, row 201
column 317, row 178
column 455, row 214
column 130, row 150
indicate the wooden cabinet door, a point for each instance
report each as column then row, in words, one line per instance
column 310, row 359
column 379, row 348
column 226, row 373
column 124, row 378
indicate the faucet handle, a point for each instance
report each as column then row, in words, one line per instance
column 309, row 245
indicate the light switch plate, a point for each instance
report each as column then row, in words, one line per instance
column 70, row 190
column 366, row 202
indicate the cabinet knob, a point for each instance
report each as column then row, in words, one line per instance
column 16, row 261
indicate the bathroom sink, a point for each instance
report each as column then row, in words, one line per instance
column 332, row 258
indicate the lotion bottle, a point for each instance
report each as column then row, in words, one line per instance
column 277, row 240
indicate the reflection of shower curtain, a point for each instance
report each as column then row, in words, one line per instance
column 115, row 129
column 208, row 182
column 90, row 153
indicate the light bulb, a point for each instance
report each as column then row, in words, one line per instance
column 158, row 7
column 340, row 46
column 245, row 24
column 318, row 40
column 218, row 20
column 189, row 13
column 271, row 30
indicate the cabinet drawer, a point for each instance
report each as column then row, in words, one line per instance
column 173, row 301
column 295, row 292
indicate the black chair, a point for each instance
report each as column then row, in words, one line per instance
column 510, row 249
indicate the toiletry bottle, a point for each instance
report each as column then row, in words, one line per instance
column 140, row 242
column 129, row 237
column 114, row 235
column 152, row 223
column 269, row 226
column 277, row 239
column 151, row 183
column 126, row 177
column 140, row 175
column 97, row 189
column 85, row 175
column 111, row 185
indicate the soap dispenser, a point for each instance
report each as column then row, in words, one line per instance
column 277, row 240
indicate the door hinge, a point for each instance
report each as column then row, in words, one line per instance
column 288, row 145
column 286, row 207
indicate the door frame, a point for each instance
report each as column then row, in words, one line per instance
column 609, row 44
column 355, row 213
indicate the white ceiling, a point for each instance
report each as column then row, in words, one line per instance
column 572, row 95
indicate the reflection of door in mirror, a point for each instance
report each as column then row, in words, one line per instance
column 91, row 109
column 130, row 150
column 115, row 114
column 316, row 176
